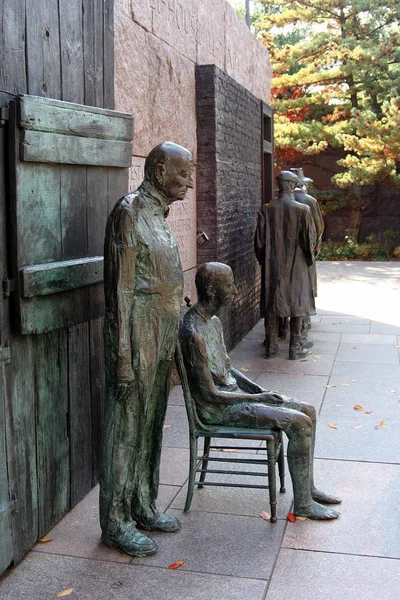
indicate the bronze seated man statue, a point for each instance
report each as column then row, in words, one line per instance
column 224, row 396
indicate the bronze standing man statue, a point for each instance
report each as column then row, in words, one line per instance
column 284, row 246
column 224, row 396
column 143, row 282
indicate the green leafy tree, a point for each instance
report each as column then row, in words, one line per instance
column 337, row 67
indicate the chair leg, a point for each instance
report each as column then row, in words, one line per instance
column 281, row 468
column 204, row 464
column 272, row 478
column 192, row 471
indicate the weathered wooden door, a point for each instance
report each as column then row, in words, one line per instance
column 68, row 165
column 6, row 553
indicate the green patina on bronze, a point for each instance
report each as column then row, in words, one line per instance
column 143, row 289
column 224, row 396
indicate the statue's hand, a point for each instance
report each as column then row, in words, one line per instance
column 272, row 398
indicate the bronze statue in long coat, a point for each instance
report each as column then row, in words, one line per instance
column 284, row 242
column 143, row 290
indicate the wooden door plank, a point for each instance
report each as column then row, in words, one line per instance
column 109, row 53
column 97, row 392
column 73, row 119
column 21, row 445
column 71, row 50
column 79, row 411
column 38, row 213
column 93, row 52
column 43, row 48
column 6, row 550
column 51, row 384
column 40, row 146
column 12, row 48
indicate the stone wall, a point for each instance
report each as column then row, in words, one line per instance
column 158, row 44
column 229, row 187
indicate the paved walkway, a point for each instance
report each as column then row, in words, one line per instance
column 229, row 552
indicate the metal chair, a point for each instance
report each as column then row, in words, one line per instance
column 199, row 464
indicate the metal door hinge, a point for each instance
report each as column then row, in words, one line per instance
column 8, row 287
column 4, row 116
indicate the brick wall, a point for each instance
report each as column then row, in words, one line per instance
column 229, row 188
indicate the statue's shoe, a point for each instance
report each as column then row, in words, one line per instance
column 160, row 522
column 131, row 542
column 308, row 344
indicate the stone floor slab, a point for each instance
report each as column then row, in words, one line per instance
column 369, row 524
column 41, row 577
column 356, row 438
column 301, row 575
column 385, row 328
column 176, row 428
column 310, row 365
column 342, row 327
column 368, row 353
column 78, row 533
column 324, row 336
column 174, row 466
column 220, row 544
column 369, row 338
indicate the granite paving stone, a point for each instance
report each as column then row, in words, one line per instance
column 368, row 353
column 369, row 524
column 342, row 327
column 222, row 544
column 42, row 577
column 78, row 533
column 356, row 438
column 301, row 575
column 369, row 338
column 176, row 428
column 384, row 328
column 174, row 466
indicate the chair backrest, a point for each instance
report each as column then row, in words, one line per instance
column 189, row 402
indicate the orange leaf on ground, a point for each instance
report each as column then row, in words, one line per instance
column 383, row 422
column 245, row 370
column 291, row 517
column 176, row 565
column 65, row 593
column 301, row 518
column 358, row 407
column 333, row 425
column 264, row 515
column 45, row 540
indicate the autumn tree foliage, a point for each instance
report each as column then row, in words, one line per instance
column 336, row 83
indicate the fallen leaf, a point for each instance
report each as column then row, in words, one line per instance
column 243, row 339
column 368, row 411
column 329, row 385
column 227, row 450
column 397, row 346
column 393, row 391
column 310, row 352
column 291, row 517
column 303, row 360
column 65, row 593
column 358, row 407
column 357, row 426
column 166, row 426
column 378, row 426
column 45, row 540
column 338, row 405
column 346, row 384
column 317, row 356
column 299, row 374
column 333, row 425
column 352, row 380
column 176, row 565
column 383, row 422
column 264, row 515
column 260, row 340
column 301, row 518
column 245, row 370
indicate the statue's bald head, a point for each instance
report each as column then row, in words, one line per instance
column 210, row 278
column 162, row 155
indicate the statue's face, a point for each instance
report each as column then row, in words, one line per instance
column 225, row 288
column 177, row 178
